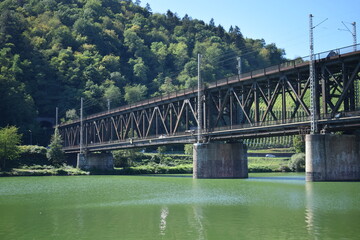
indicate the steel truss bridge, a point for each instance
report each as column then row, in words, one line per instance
column 267, row 102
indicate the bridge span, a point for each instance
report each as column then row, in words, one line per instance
column 266, row 102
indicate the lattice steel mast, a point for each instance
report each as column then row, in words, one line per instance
column 199, row 101
column 312, row 78
column 81, row 126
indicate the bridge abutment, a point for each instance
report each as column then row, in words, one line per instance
column 220, row 160
column 95, row 161
column 332, row 157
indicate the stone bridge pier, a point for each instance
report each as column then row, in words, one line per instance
column 331, row 157
column 220, row 160
column 102, row 161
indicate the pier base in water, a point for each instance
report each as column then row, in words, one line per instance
column 220, row 160
column 331, row 157
column 95, row 161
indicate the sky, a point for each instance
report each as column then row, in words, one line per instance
column 283, row 22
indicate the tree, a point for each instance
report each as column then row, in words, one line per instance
column 52, row 53
column 212, row 23
column 297, row 162
column 9, row 145
column 71, row 115
column 299, row 144
column 188, row 148
column 167, row 86
column 148, row 8
column 55, row 154
column 112, row 93
column 135, row 93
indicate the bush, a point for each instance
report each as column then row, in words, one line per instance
column 257, row 169
column 33, row 155
column 158, row 169
column 285, row 169
column 188, row 148
column 9, row 146
column 55, row 154
column 297, row 162
column 299, row 144
column 127, row 158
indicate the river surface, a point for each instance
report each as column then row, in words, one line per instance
column 265, row 206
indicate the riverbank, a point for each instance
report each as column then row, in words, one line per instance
column 43, row 170
column 255, row 164
column 153, row 163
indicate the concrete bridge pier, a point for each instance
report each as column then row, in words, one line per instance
column 220, row 160
column 95, row 161
column 332, row 157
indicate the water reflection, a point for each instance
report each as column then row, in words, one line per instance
column 310, row 210
column 197, row 209
column 198, row 217
column 164, row 213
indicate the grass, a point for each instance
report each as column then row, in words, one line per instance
column 173, row 164
column 156, row 169
column 272, row 150
column 261, row 164
column 255, row 164
column 44, row 170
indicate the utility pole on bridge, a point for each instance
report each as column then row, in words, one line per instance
column 199, row 101
column 239, row 66
column 81, row 126
column 353, row 32
column 312, row 76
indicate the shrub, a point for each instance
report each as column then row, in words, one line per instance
column 55, row 154
column 188, row 148
column 257, row 169
column 285, row 169
column 297, row 162
column 33, row 155
column 127, row 158
column 9, row 149
column 299, row 144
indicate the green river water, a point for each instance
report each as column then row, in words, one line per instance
column 264, row 206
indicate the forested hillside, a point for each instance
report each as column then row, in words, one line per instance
column 53, row 52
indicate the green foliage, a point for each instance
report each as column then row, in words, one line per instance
column 127, row 157
column 161, row 150
column 55, row 154
column 9, row 149
column 261, row 164
column 44, row 170
column 158, row 169
column 32, row 155
column 297, row 162
column 135, row 93
column 188, row 148
column 71, row 115
column 299, row 144
column 52, row 53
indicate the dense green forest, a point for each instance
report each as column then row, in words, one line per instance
column 53, row 52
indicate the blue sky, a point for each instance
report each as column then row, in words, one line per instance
column 283, row 22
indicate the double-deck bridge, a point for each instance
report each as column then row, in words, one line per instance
column 271, row 101
column 266, row 102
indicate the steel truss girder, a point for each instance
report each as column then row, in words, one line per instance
column 168, row 119
column 261, row 100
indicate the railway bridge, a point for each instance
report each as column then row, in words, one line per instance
column 267, row 102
